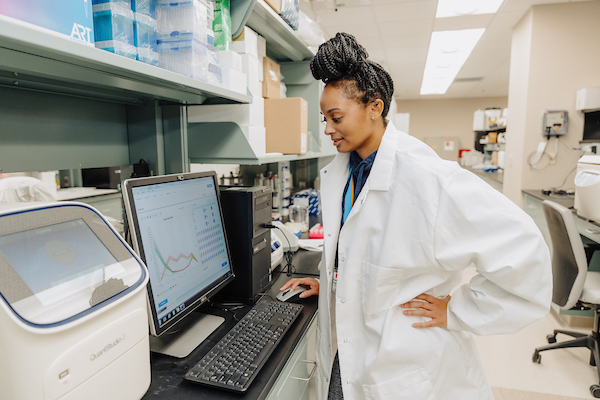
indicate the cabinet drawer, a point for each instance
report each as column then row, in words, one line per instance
column 297, row 379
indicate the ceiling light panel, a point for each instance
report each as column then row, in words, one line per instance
column 457, row 8
column 448, row 51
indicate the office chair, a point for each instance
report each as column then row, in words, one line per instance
column 574, row 285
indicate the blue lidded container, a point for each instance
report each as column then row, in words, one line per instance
column 113, row 28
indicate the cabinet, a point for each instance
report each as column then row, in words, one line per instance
column 297, row 380
column 66, row 105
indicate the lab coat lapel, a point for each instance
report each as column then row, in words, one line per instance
column 333, row 181
column 381, row 171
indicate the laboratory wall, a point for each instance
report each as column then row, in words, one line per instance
column 450, row 117
column 59, row 132
column 554, row 54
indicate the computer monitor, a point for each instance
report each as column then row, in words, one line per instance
column 177, row 228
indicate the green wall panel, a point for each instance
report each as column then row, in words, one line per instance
column 42, row 131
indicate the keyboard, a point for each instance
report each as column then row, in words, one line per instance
column 234, row 362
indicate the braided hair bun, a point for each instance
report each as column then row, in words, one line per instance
column 342, row 60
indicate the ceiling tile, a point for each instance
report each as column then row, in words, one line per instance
column 349, row 16
column 460, row 89
column 378, row 56
column 382, row 2
column 360, row 32
column 403, row 54
column 420, row 28
column 405, row 11
column 392, row 42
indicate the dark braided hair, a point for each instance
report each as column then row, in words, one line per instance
column 342, row 62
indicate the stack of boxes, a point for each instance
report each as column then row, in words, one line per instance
column 113, row 27
column 144, row 30
column 222, row 24
column 182, row 37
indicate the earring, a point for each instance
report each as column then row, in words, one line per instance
column 372, row 117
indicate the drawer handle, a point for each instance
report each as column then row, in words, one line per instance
column 312, row 373
column 592, row 231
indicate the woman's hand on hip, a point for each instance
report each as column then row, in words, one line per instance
column 311, row 283
column 428, row 306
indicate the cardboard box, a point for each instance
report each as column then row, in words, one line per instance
column 246, row 42
column 271, row 79
column 286, row 122
column 72, row 18
column 252, row 114
column 492, row 137
column 275, row 5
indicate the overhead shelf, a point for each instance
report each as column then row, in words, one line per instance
column 225, row 143
column 282, row 42
column 40, row 59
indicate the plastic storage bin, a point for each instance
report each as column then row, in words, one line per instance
column 127, row 3
column 184, row 17
column 144, row 36
column 146, row 7
column 185, row 55
column 113, row 28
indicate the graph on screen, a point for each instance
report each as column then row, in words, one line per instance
column 183, row 244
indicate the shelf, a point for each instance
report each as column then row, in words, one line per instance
column 40, row 59
column 282, row 42
column 225, row 143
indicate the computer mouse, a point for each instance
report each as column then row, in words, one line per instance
column 291, row 295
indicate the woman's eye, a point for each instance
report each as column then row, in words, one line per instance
column 336, row 120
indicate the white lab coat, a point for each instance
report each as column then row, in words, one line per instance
column 417, row 224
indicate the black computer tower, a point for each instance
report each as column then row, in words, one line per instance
column 245, row 211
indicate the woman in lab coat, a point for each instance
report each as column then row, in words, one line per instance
column 387, row 327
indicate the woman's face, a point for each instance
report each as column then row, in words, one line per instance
column 348, row 121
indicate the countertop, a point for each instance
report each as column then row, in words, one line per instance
column 168, row 372
column 497, row 175
column 81, row 192
column 563, row 200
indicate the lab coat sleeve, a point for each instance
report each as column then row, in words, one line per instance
column 513, row 287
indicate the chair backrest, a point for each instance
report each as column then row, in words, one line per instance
column 569, row 264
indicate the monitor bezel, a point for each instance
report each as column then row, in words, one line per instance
column 199, row 298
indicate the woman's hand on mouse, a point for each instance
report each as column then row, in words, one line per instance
column 311, row 283
column 428, row 306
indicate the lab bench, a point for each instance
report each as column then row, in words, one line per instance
column 108, row 201
column 589, row 230
column 492, row 178
column 288, row 373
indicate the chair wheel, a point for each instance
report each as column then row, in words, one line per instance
column 537, row 358
column 595, row 390
column 551, row 338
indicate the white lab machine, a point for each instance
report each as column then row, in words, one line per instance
column 587, row 187
column 276, row 251
column 73, row 316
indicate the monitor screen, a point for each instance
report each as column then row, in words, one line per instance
column 178, row 232
column 591, row 127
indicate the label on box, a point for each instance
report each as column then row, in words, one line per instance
column 69, row 17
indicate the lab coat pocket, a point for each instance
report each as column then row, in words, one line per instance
column 412, row 386
column 381, row 287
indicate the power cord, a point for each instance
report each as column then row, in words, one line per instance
column 288, row 256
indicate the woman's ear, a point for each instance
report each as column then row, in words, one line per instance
column 376, row 108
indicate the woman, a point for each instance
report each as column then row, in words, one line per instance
column 400, row 227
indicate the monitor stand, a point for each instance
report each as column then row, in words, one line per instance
column 185, row 338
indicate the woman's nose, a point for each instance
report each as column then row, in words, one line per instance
column 329, row 129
